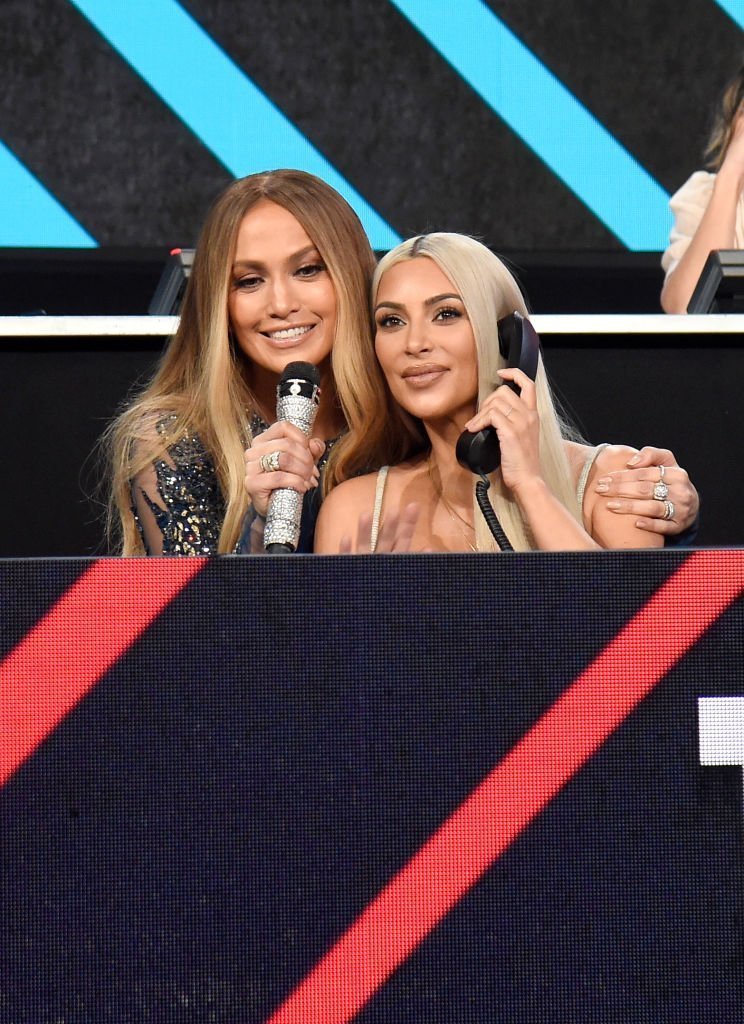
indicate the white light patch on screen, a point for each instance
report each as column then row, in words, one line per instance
column 721, row 730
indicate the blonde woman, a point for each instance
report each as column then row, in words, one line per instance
column 709, row 208
column 438, row 371
column 281, row 267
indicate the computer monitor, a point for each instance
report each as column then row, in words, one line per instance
column 720, row 288
column 169, row 293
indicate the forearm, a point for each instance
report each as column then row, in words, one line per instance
column 717, row 230
column 552, row 526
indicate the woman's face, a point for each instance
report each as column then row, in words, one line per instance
column 424, row 342
column 282, row 303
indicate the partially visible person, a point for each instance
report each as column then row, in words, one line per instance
column 281, row 267
column 436, row 369
column 709, row 208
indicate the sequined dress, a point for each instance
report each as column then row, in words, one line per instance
column 178, row 505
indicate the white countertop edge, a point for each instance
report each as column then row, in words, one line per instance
column 546, row 323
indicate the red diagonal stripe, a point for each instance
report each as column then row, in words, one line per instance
column 515, row 792
column 79, row 639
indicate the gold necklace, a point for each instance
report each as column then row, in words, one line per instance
column 454, row 515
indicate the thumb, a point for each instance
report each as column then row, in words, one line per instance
column 317, row 447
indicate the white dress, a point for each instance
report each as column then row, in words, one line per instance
column 688, row 204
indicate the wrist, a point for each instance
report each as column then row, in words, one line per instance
column 529, row 489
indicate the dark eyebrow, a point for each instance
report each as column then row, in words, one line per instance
column 440, row 298
column 296, row 257
column 427, row 302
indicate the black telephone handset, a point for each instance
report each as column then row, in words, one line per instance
column 520, row 346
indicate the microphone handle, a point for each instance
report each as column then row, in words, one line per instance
column 282, row 529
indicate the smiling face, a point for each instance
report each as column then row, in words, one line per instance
column 282, row 303
column 424, row 342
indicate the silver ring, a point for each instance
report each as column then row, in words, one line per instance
column 662, row 471
column 668, row 510
column 269, row 463
column 660, row 490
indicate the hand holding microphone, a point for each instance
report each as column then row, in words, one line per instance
column 298, row 397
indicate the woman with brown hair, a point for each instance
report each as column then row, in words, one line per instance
column 282, row 265
column 709, row 208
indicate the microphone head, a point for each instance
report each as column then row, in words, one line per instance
column 300, row 371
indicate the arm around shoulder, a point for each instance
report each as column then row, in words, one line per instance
column 609, row 527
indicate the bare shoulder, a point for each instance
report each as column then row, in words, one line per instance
column 359, row 490
column 611, row 458
column 341, row 509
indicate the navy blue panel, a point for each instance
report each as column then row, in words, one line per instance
column 289, row 731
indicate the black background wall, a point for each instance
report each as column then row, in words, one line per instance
column 373, row 96
column 56, row 396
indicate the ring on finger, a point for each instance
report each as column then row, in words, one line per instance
column 511, row 410
column 269, row 463
column 662, row 471
column 668, row 510
column 660, row 491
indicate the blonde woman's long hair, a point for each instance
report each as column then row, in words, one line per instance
column 199, row 386
column 730, row 104
column 381, row 433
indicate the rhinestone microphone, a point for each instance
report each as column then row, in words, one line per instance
column 297, row 399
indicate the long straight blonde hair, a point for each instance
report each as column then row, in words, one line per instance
column 200, row 385
column 381, row 433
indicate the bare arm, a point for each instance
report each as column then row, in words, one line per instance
column 552, row 525
column 716, row 229
column 516, row 422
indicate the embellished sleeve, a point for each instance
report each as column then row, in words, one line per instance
column 177, row 503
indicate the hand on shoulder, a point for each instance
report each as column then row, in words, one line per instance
column 619, row 500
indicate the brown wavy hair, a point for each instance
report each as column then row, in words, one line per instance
column 198, row 386
column 730, row 104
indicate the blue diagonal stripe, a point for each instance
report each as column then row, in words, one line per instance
column 214, row 97
column 547, row 117
column 734, row 9
column 29, row 213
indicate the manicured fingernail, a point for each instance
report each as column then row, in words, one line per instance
column 632, row 462
column 602, row 488
column 613, row 504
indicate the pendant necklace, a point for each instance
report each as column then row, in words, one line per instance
column 455, row 516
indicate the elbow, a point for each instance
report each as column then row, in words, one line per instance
column 672, row 302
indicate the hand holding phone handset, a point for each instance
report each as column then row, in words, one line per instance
column 481, row 452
